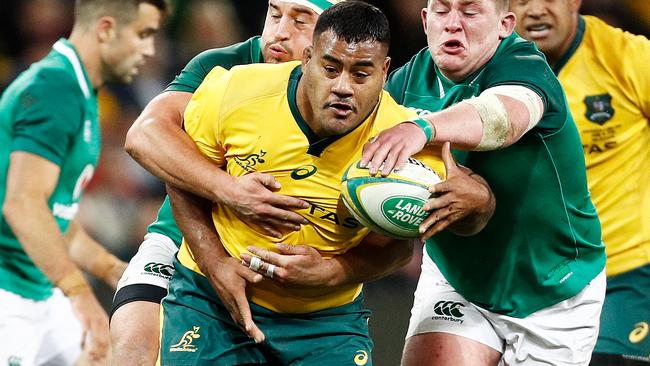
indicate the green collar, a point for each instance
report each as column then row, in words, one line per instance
column 257, row 57
column 577, row 40
column 67, row 50
column 444, row 84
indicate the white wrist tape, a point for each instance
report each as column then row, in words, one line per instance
column 528, row 97
column 494, row 116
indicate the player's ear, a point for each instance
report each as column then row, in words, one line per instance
column 106, row 29
column 385, row 68
column 306, row 55
column 507, row 25
column 423, row 15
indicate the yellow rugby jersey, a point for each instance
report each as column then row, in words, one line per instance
column 247, row 121
column 606, row 76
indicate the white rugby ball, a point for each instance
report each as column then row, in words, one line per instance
column 391, row 205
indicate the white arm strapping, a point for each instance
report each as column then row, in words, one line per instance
column 494, row 116
column 528, row 97
column 496, row 122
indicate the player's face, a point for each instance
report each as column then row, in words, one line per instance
column 125, row 52
column 287, row 31
column 551, row 24
column 342, row 82
column 464, row 34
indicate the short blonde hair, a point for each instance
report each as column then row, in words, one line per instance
column 501, row 4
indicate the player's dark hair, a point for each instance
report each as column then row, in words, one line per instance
column 354, row 22
column 125, row 11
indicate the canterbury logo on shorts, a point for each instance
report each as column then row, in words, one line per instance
column 159, row 268
column 448, row 310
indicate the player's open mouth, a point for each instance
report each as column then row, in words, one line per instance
column 341, row 109
column 453, row 47
column 540, row 30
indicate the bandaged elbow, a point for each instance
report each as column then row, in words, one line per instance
column 499, row 129
column 496, row 126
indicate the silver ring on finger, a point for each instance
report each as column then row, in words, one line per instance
column 255, row 264
column 270, row 270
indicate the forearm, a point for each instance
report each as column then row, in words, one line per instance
column 92, row 257
column 156, row 140
column 376, row 257
column 36, row 229
column 460, row 124
column 226, row 274
column 488, row 122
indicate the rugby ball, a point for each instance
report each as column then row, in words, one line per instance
column 391, row 205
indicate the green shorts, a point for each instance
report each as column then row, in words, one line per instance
column 625, row 319
column 198, row 330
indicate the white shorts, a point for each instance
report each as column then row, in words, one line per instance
column 147, row 276
column 38, row 332
column 562, row 334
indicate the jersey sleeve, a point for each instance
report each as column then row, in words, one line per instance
column 47, row 116
column 527, row 67
column 195, row 72
column 224, row 58
column 637, row 71
column 202, row 116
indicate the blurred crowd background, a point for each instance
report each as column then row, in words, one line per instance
column 123, row 198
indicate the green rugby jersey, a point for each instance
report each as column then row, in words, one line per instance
column 248, row 52
column 50, row 110
column 543, row 244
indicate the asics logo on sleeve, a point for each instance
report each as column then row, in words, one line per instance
column 639, row 333
column 361, row 358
